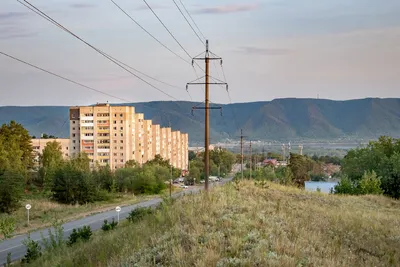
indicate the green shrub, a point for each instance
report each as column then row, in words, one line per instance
column 370, row 184
column 55, row 239
column 82, row 234
column 7, row 226
column 33, row 252
column 109, row 226
column 138, row 214
column 345, row 187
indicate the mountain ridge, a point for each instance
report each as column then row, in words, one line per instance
column 279, row 119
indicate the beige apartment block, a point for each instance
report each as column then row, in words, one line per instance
column 38, row 146
column 156, row 139
column 148, row 141
column 185, row 151
column 139, row 153
column 178, row 150
column 105, row 133
column 164, row 143
column 174, row 152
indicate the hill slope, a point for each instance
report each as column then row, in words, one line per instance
column 249, row 225
column 274, row 120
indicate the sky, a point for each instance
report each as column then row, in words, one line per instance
column 331, row 49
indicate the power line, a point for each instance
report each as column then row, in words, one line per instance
column 155, row 14
column 62, row 77
column 146, row 31
column 188, row 22
column 195, row 24
column 112, row 59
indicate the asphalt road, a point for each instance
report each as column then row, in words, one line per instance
column 18, row 249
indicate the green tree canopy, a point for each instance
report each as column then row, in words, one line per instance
column 16, row 142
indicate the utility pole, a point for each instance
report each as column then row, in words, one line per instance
column 241, row 150
column 206, row 107
column 251, row 159
column 170, row 184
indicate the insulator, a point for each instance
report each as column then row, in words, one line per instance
column 221, row 62
column 187, row 87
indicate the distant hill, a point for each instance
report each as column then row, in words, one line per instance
column 280, row 119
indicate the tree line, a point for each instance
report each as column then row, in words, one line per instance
column 69, row 181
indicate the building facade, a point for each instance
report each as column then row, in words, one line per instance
column 113, row 135
column 39, row 145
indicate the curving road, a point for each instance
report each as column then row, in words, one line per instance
column 18, row 250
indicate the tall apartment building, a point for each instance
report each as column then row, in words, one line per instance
column 156, row 139
column 148, row 141
column 185, row 151
column 113, row 135
column 174, row 151
column 140, row 147
column 105, row 133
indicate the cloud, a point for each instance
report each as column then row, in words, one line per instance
column 144, row 7
column 12, row 15
column 16, row 35
column 79, row 6
column 264, row 51
column 227, row 9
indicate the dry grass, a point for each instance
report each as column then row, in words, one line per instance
column 251, row 226
column 44, row 212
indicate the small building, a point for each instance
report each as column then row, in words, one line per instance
column 38, row 146
column 270, row 162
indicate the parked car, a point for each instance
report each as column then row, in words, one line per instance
column 184, row 186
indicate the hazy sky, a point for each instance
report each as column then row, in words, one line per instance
column 337, row 49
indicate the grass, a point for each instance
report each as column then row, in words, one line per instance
column 250, row 225
column 44, row 212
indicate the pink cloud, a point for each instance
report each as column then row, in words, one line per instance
column 227, row 9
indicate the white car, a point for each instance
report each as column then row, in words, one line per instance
column 184, row 186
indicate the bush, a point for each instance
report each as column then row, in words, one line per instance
column 138, row 214
column 109, row 226
column 73, row 184
column 82, row 234
column 7, row 226
column 11, row 190
column 33, row 252
column 55, row 239
column 345, row 187
column 369, row 184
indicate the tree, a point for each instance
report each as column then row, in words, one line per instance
column 15, row 133
column 11, row 190
column 299, row 166
column 131, row 164
column 51, row 159
column 192, row 155
column 370, row 184
column 381, row 156
column 73, row 184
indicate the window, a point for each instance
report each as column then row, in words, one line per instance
column 115, row 154
column 122, row 154
column 122, row 134
column 121, row 147
column 121, row 128
column 73, row 122
column 122, row 141
column 115, row 128
column 74, row 148
column 66, row 148
column 73, row 141
column 120, row 115
column 73, row 135
column 73, row 128
column 115, row 122
column 115, row 141
column 115, row 134
column 122, row 161
column 122, row 121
